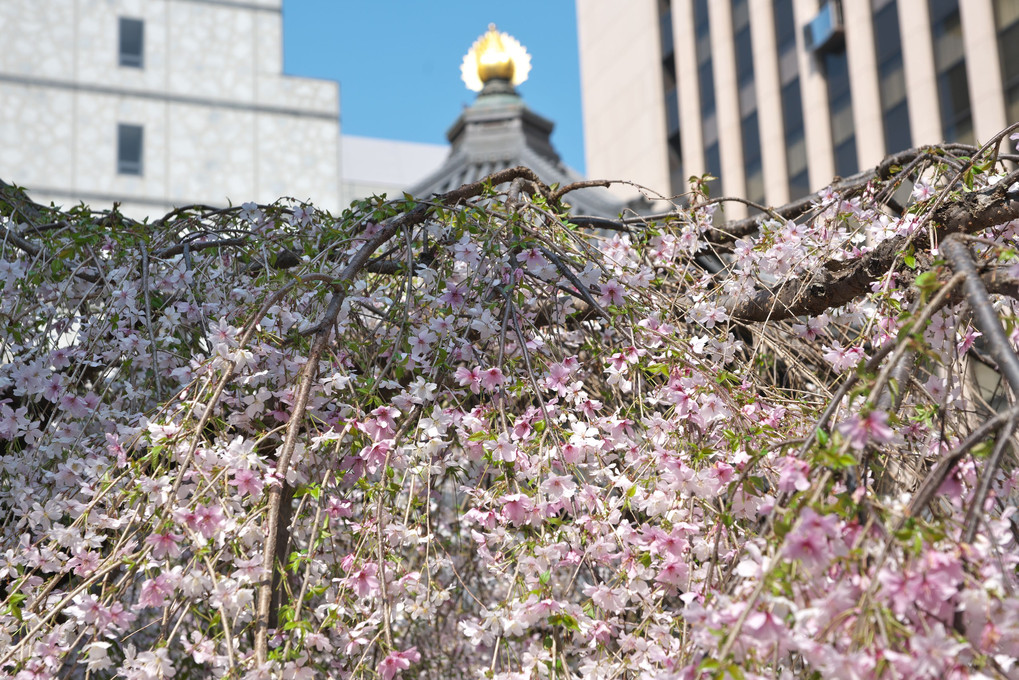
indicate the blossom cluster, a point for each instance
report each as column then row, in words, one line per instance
column 504, row 447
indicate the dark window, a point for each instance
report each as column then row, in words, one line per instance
column 129, row 149
column 892, row 78
column 712, row 160
column 706, row 76
column 792, row 100
column 751, row 138
column 752, row 158
column 785, row 25
column 132, row 42
column 744, row 55
column 792, row 107
column 795, row 142
column 799, row 184
column 950, row 61
column 672, row 111
column 953, row 95
column 840, row 106
column 676, row 179
column 898, row 134
column 665, row 26
column 845, row 157
column 749, row 127
column 706, row 89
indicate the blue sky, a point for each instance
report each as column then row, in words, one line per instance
column 398, row 61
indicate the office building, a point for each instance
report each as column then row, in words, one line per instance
column 776, row 97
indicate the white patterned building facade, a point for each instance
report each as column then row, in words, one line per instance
column 161, row 103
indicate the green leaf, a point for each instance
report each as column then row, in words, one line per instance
column 982, row 450
column 735, row 672
column 927, row 281
column 568, row 622
column 14, row 604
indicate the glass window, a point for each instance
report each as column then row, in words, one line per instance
column 953, row 93
column 799, row 185
column 840, row 104
column 676, row 178
column 792, row 99
column 671, row 111
column 713, row 165
column 892, row 78
column 886, row 32
column 893, row 82
column 744, row 55
column 672, row 132
column 706, row 87
column 749, row 127
column 950, row 61
column 751, row 138
column 129, row 149
column 706, row 77
column 709, row 129
column 665, row 27
column 132, row 42
column 845, row 158
column 785, row 24
column 792, row 108
column 898, row 135
column 796, row 154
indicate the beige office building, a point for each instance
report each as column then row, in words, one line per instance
column 776, row 97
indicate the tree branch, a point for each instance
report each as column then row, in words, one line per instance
column 837, row 283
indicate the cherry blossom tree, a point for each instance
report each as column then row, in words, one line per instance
column 473, row 436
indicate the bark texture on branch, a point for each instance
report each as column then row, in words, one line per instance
column 837, row 283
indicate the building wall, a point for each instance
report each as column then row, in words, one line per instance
column 621, row 86
column 620, row 69
column 221, row 122
column 372, row 167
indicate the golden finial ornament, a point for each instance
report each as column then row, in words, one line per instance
column 493, row 56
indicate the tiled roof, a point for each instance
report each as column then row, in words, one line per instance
column 499, row 131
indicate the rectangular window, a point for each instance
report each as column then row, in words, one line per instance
column 706, row 90
column 676, row 179
column 745, row 81
column 950, row 61
column 132, row 42
column 792, row 100
column 892, row 77
column 130, row 139
column 840, row 108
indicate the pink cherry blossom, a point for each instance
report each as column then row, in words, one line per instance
column 397, row 662
column 870, row 428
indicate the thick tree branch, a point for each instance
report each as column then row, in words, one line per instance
column 838, row 283
column 1000, row 348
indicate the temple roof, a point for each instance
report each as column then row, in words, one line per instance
column 499, row 131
